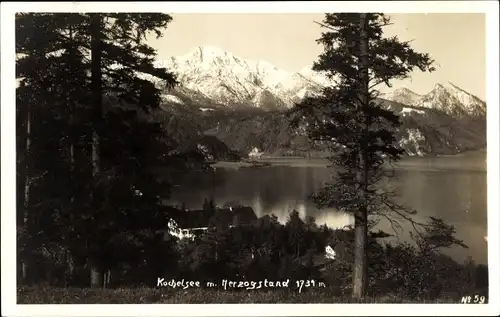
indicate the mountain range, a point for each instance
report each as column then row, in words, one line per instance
column 242, row 102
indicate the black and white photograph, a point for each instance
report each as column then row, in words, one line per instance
column 335, row 155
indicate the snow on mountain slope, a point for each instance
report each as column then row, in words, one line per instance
column 228, row 79
column 453, row 101
column 413, row 141
column 210, row 73
column 409, row 111
column 446, row 120
column 173, row 99
column 403, row 95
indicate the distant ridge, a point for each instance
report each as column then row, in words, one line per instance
column 240, row 102
column 226, row 79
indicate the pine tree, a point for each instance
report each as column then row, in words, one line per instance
column 92, row 82
column 349, row 118
column 206, row 205
column 43, row 128
column 211, row 205
column 296, row 231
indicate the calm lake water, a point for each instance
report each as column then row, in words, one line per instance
column 449, row 187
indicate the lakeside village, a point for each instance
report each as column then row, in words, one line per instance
column 192, row 224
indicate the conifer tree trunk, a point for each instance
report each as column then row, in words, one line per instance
column 72, row 138
column 26, row 199
column 96, row 274
column 70, row 261
column 361, row 216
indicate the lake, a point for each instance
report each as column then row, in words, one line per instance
column 449, row 187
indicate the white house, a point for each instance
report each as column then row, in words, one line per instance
column 330, row 253
column 180, row 233
column 254, row 153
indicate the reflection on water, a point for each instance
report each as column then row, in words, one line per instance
column 453, row 188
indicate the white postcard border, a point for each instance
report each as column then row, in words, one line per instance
column 8, row 165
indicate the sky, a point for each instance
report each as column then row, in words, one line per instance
column 456, row 41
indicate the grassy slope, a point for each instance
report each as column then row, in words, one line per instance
column 41, row 295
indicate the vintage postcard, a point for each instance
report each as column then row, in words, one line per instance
column 206, row 154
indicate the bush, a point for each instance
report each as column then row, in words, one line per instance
column 269, row 250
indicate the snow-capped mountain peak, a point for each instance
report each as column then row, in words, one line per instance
column 453, row 100
column 208, row 51
column 211, row 78
column 201, row 57
column 403, row 95
column 228, row 79
column 211, row 73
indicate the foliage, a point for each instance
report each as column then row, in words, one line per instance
column 150, row 295
column 71, row 218
column 108, row 216
column 359, row 130
column 263, row 251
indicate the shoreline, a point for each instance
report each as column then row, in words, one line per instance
column 272, row 161
column 407, row 162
